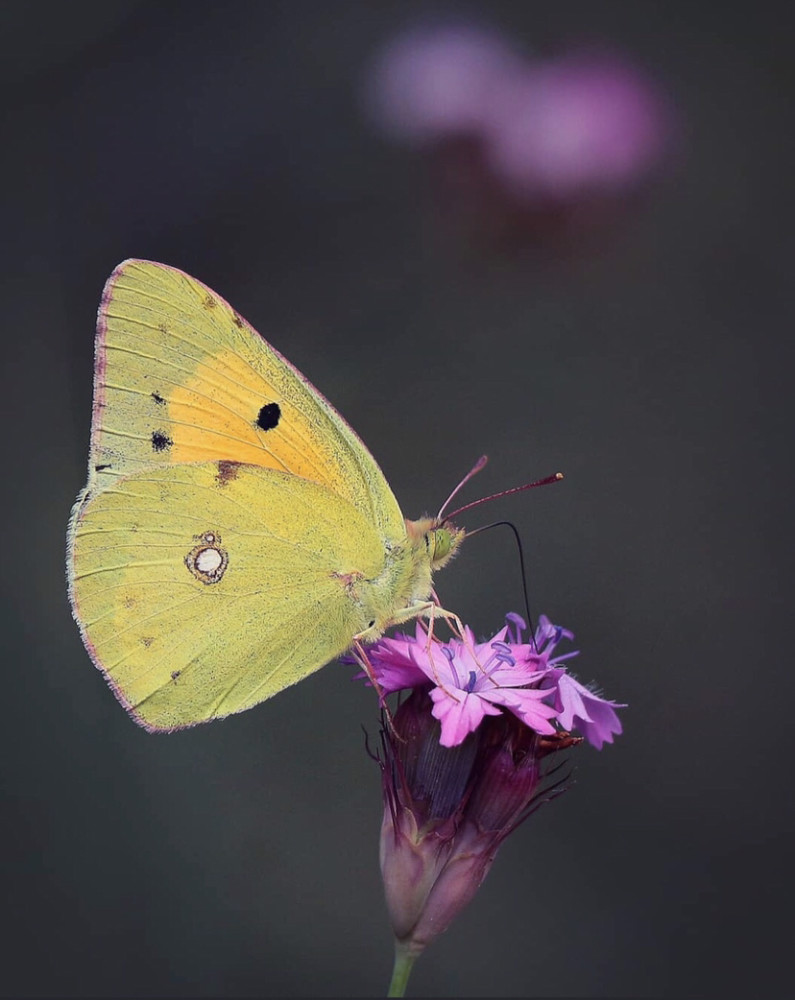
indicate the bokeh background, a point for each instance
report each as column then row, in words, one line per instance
column 642, row 345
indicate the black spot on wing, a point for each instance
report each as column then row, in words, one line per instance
column 269, row 416
column 101, row 468
column 160, row 441
column 158, row 399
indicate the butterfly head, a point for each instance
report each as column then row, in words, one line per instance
column 439, row 537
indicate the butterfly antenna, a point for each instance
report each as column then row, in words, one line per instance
column 512, row 526
column 495, row 496
column 472, row 472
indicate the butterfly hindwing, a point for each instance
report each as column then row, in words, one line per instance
column 203, row 589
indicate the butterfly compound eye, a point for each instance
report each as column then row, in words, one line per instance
column 441, row 544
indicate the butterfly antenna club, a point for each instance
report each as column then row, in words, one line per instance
column 546, row 481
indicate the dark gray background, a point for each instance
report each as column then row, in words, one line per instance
column 653, row 367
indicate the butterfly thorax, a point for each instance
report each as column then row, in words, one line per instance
column 406, row 579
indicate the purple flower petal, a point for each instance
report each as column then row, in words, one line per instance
column 604, row 724
column 579, row 708
column 459, row 716
column 526, row 705
column 394, row 662
column 469, row 680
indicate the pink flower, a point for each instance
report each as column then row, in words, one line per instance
column 522, row 150
column 470, row 679
column 467, row 681
column 462, row 761
column 433, row 82
column 575, row 126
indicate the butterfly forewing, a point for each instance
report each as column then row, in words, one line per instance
column 180, row 377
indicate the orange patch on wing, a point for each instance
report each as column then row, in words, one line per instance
column 215, row 414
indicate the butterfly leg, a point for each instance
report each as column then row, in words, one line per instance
column 429, row 651
column 457, row 628
column 364, row 661
column 432, row 610
column 424, row 609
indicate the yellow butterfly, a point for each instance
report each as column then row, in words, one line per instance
column 235, row 534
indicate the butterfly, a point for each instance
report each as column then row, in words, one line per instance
column 235, row 535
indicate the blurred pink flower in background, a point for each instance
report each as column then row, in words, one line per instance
column 430, row 83
column 521, row 148
column 575, row 125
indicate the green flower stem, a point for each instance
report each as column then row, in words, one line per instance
column 404, row 961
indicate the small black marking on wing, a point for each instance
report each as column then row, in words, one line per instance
column 237, row 321
column 158, row 398
column 101, row 468
column 269, row 416
column 160, row 441
column 175, row 674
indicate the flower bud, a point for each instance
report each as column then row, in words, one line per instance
column 447, row 810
